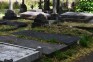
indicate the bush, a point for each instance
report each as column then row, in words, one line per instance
column 4, row 5
column 84, row 6
column 85, row 41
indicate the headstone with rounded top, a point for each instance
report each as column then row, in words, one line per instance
column 40, row 20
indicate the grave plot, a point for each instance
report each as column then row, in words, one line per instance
column 76, row 17
column 85, row 26
column 15, row 53
column 47, row 48
column 15, row 25
column 47, row 36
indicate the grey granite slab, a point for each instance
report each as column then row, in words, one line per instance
column 15, row 53
column 46, row 47
column 47, row 36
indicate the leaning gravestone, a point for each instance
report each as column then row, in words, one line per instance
column 15, row 53
column 76, row 17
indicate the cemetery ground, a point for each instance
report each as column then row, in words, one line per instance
column 72, row 53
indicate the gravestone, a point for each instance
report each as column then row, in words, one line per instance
column 76, row 17
column 54, row 15
column 46, row 5
column 40, row 20
column 15, row 53
column 40, row 4
column 23, row 7
column 58, row 6
column 10, row 14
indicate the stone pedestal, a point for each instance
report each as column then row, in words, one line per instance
column 10, row 14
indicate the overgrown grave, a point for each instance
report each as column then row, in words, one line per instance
column 47, row 48
column 15, row 24
column 15, row 53
column 48, row 36
column 76, row 17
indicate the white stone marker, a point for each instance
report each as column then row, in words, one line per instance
column 10, row 5
column 54, row 6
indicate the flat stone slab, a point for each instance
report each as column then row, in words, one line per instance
column 31, row 14
column 47, row 36
column 46, row 47
column 76, row 17
column 16, row 24
column 17, row 53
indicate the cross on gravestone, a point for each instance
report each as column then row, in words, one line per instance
column 10, row 14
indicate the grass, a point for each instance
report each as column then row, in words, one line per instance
column 82, row 48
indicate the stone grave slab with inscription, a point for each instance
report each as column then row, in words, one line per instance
column 15, row 53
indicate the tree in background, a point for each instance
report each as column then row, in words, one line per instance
column 84, row 5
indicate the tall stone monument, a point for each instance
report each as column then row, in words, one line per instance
column 23, row 7
column 46, row 5
column 54, row 6
column 54, row 15
column 58, row 6
column 40, row 4
column 10, row 14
